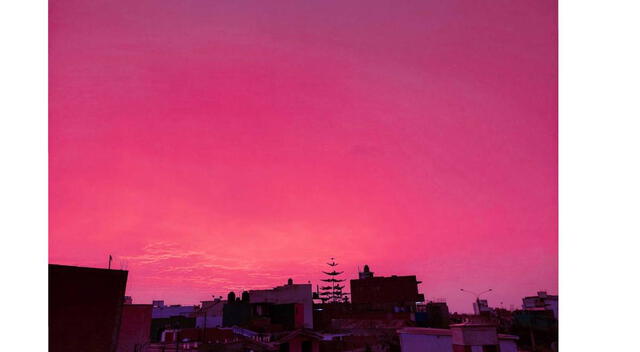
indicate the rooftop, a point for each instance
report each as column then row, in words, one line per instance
column 472, row 325
column 425, row 331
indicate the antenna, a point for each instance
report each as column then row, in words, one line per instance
column 110, row 259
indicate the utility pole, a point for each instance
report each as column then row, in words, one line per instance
column 110, row 259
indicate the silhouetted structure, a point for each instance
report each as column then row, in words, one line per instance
column 135, row 328
column 236, row 313
column 433, row 315
column 210, row 314
column 159, row 325
column 286, row 307
column 366, row 273
column 85, row 308
column 332, row 293
column 389, row 294
column 299, row 294
column 536, row 328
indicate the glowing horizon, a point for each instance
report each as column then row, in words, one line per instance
column 212, row 146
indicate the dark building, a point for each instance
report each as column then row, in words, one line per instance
column 289, row 316
column 390, row 294
column 433, row 315
column 236, row 314
column 263, row 316
column 536, row 328
column 158, row 325
column 366, row 273
column 135, row 327
column 85, row 308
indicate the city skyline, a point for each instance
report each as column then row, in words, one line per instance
column 211, row 146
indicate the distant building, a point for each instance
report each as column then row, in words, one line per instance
column 483, row 308
column 159, row 325
column 433, row 315
column 288, row 294
column 135, row 328
column 264, row 316
column 166, row 317
column 209, row 315
column 541, row 301
column 391, row 294
column 85, row 308
column 164, row 311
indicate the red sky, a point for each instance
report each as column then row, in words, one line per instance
column 218, row 145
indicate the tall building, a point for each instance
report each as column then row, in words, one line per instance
column 85, row 308
column 390, row 294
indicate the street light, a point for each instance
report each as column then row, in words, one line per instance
column 477, row 295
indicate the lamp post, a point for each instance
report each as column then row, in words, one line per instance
column 477, row 295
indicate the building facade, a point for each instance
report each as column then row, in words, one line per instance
column 542, row 300
column 425, row 340
column 85, row 308
column 288, row 294
column 390, row 294
column 135, row 328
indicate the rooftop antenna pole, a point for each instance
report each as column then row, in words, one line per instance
column 110, row 259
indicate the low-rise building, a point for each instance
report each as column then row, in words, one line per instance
column 432, row 315
column 163, row 311
column 209, row 315
column 508, row 343
column 468, row 337
column 425, row 340
column 299, row 294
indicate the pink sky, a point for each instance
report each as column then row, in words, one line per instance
column 220, row 145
